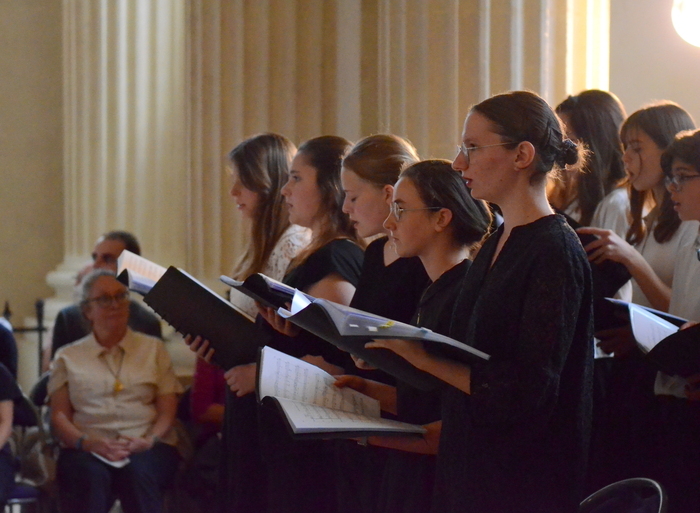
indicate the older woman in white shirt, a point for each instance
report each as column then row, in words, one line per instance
column 113, row 403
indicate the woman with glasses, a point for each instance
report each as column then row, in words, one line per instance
column 649, row 252
column 515, row 428
column 113, row 397
column 388, row 286
column 655, row 231
column 678, row 399
column 434, row 218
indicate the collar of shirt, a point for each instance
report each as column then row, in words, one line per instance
column 126, row 345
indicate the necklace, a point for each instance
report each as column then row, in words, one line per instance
column 118, row 385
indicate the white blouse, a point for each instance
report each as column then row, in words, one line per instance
column 139, row 364
column 662, row 257
column 685, row 302
column 612, row 212
column 293, row 240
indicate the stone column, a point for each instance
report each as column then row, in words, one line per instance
column 125, row 132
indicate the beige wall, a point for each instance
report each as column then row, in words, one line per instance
column 648, row 60
column 31, row 190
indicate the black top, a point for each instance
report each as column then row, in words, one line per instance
column 9, row 391
column 392, row 291
column 71, row 325
column 415, row 406
column 342, row 257
column 8, row 350
column 339, row 256
column 518, row 442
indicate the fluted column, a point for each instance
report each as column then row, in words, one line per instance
column 124, row 128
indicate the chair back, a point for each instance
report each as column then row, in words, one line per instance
column 635, row 495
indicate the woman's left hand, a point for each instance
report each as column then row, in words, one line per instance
column 241, row 379
column 139, row 443
column 412, row 351
column 278, row 322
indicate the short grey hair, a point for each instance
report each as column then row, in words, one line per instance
column 89, row 282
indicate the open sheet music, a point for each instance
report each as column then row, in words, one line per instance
column 194, row 309
column 263, row 289
column 350, row 329
column 312, row 406
column 137, row 273
column 670, row 350
column 649, row 329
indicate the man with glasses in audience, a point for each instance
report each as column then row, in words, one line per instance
column 71, row 325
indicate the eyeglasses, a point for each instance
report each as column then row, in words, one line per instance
column 397, row 211
column 677, row 181
column 464, row 149
column 107, row 301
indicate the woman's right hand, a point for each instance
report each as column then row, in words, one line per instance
column 354, row 382
column 113, row 449
column 201, row 347
column 361, row 364
column 619, row 341
column 278, row 322
column 241, row 379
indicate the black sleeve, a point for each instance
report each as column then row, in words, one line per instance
column 69, row 327
column 9, row 391
column 341, row 256
column 523, row 388
column 8, row 350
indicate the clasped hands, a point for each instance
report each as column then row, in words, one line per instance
column 116, row 449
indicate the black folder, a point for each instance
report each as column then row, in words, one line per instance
column 193, row 309
column 678, row 353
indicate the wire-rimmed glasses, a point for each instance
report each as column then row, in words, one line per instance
column 397, row 211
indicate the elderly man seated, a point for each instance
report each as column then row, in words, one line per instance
column 113, row 402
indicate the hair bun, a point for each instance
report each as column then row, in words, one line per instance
column 568, row 153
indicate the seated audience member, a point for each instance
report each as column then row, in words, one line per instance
column 9, row 392
column 113, row 396
column 71, row 325
column 8, row 350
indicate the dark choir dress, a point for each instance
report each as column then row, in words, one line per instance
column 392, row 291
column 264, row 469
column 9, row 391
column 407, row 484
column 519, row 441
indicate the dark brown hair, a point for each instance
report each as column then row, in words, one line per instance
column 263, row 163
column 380, row 158
column 325, row 154
column 129, row 240
column 520, row 116
column 661, row 122
column 440, row 186
column 686, row 148
column 595, row 116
